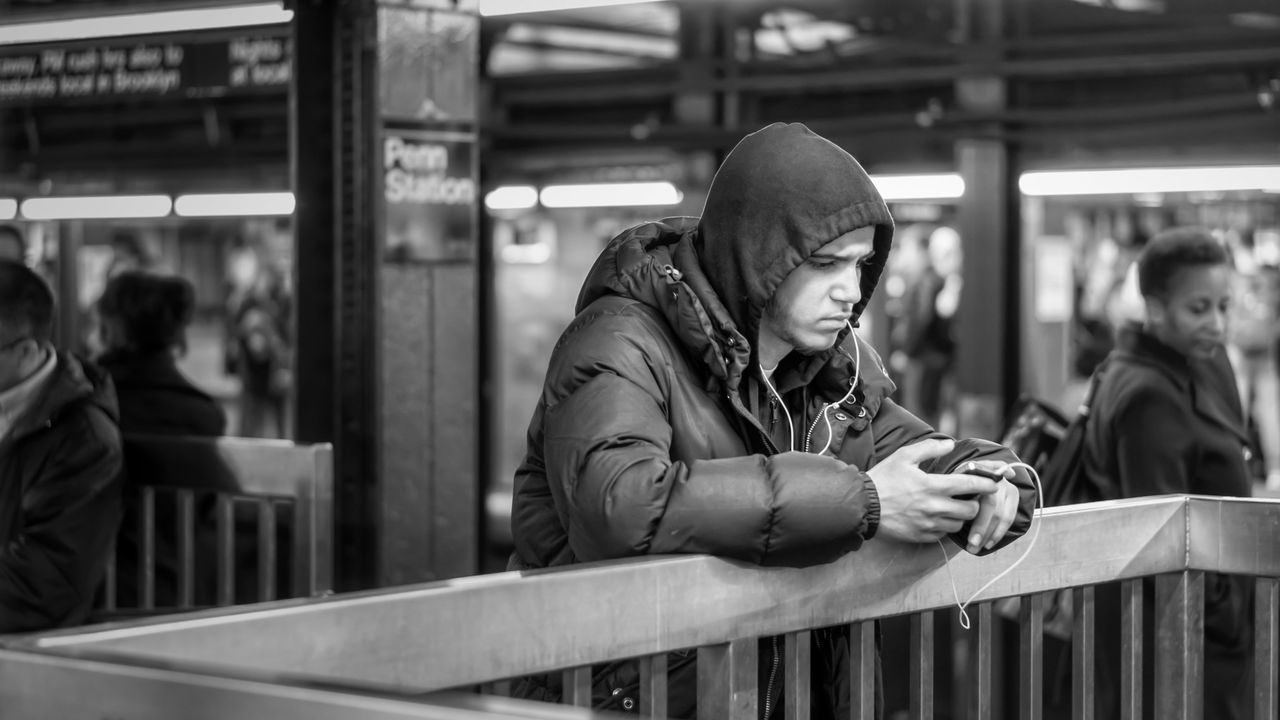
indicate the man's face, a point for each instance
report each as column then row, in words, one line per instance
column 813, row 303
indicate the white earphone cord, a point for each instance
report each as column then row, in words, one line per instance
column 853, row 386
column 1035, row 533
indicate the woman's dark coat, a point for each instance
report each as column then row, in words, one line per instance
column 1163, row 423
column 651, row 436
column 156, row 399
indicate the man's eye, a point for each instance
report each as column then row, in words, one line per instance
column 821, row 264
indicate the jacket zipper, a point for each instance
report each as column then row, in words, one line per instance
column 773, row 673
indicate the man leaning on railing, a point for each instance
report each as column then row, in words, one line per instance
column 712, row 397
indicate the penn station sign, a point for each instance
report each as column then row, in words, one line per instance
column 429, row 193
column 418, row 170
column 250, row 63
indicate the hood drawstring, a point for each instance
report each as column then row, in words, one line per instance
column 822, row 414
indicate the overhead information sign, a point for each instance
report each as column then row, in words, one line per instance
column 107, row 71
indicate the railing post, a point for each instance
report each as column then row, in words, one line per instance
column 1179, row 618
column 980, row 701
column 1031, row 657
column 727, row 681
column 653, row 686
column 921, row 680
column 862, row 669
column 1082, row 654
column 577, row 686
column 1265, row 705
column 797, row 676
column 1131, row 649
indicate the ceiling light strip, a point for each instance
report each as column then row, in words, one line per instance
column 511, row 197
column 164, row 21
column 96, row 207
column 1150, row 180
column 520, row 7
column 234, row 204
column 937, row 186
column 610, row 195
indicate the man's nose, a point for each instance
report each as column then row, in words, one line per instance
column 848, row 288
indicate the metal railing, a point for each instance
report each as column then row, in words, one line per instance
column 471, row 631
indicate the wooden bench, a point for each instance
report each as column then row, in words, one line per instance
column 198, row 510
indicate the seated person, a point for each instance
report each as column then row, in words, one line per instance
column 60, row 460
column 142, row 322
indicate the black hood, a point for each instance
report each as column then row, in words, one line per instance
column 781, row 194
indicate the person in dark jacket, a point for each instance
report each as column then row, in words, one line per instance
column 143, row 318
column 60, row 461
column 712, row 397
column 1167, row 419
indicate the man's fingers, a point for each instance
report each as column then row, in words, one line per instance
column 962, row 484
column 982, row 525
column 917, row 453
column 1004, row 519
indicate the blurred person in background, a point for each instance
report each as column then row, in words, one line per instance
column 1255, row 330
column 262, row 317
column 13, row 246
column 1167, row 419
column 143, row 318
column 60, row 465
column 929, row 341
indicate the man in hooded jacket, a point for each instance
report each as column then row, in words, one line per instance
column 60, row 465
column 710, row 396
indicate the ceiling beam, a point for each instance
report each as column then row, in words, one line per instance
column 605, row 86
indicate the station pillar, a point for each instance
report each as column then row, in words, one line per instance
column 986, row 326
column 384, row 169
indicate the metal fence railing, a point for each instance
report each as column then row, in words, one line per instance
column 387, row 651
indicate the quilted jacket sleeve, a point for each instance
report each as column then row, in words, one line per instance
column 607, row 444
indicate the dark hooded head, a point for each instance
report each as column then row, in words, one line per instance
column 781, row 194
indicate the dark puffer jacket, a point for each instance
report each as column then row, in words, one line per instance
column 650, row 435
column 59, row 500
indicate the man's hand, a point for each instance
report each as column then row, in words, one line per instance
column 996, row 511
column 916, row 506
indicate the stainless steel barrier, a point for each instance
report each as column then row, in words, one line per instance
column 469, row 631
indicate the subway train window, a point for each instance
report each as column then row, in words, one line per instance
column 235, row 339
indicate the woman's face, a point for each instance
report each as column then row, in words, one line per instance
column 1192, row 317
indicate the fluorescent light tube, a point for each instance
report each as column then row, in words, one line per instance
column 939, row 186
column 610, row 195
column 516, row 7
column 8, row 208
column 1150, row 180
column 234, row 204
column 145, row 23
column 96, row 207
column 511, row 197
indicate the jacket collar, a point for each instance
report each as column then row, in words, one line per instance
column 71, row 382
column 1209, row 383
